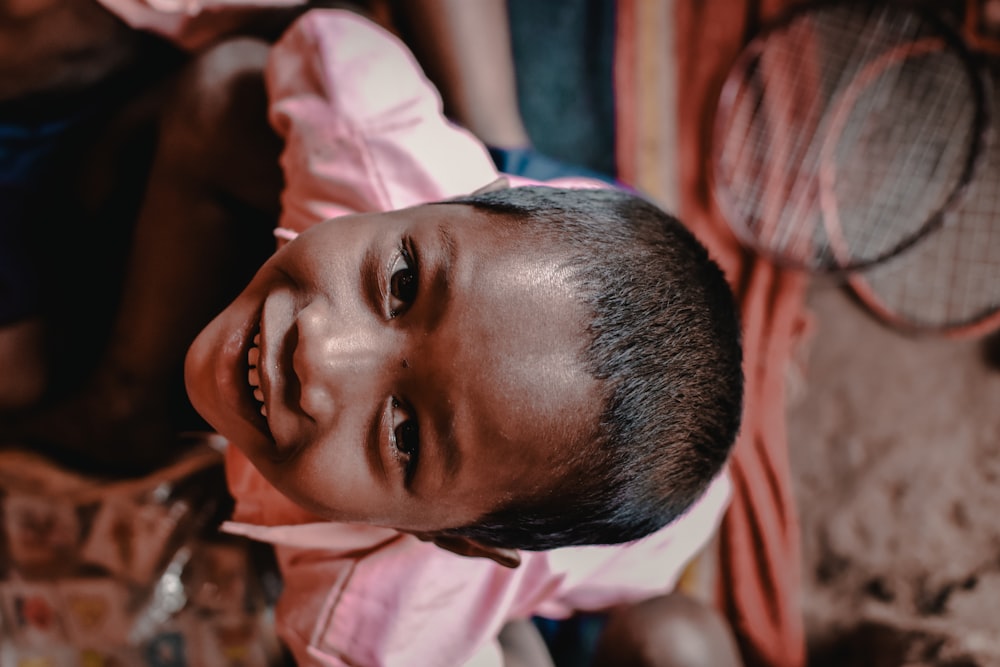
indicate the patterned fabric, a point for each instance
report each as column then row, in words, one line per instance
column 670, row 61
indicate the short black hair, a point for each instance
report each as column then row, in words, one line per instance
column 664, row 344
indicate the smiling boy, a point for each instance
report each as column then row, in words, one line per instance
column 416, row 368
column 504, row 375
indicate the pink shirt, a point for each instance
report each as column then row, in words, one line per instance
column 364, row 131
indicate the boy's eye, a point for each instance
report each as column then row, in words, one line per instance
column 402, row 283
column 405, row 439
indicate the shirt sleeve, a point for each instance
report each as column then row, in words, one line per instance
column 594, row 578
column 363, row 128
column 404, row 603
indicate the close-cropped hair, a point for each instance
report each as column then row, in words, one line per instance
column 663, row 341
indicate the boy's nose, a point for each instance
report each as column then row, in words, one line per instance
column 338, row 357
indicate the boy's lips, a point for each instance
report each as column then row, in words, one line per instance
column 248, row 405
column 277, row 376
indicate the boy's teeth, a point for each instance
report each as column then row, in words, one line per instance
column 253, row 375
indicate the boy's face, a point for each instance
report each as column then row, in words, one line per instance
column 417, row 369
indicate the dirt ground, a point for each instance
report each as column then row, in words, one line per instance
column 895, row 447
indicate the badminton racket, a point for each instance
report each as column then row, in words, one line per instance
column 844, row 131
column 949, row 284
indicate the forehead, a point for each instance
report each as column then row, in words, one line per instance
column 509, row 356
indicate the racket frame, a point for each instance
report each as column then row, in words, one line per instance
column 736, row 81
column 977, row 325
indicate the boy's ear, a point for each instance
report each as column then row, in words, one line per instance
column 470, row 548
column 500, row 183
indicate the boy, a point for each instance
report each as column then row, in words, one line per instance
column 525, row 368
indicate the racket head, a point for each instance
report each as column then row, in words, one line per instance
column 949, row 284
column 844, row 131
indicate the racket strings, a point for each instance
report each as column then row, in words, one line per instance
column 898, row 160
column 895, row 177
column 951, row 281
column 900, row 147
column 783, row 63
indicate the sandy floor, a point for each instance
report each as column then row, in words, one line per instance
column 896, row 453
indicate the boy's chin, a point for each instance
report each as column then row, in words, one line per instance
column 202, row 381
column 196, row 368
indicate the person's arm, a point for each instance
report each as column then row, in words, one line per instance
column 523, row 646
column 465, row 49
column 203, row 228
column 23, row 359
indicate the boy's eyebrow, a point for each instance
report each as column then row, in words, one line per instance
column 373, row 450
column 370, row 266
column 448, row 451
column 442, row 417
column 450, row 248
column 440, row 281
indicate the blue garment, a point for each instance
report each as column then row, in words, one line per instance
column 27, row 146
column 573, row 641
column 30, row 154
column 529, row 163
